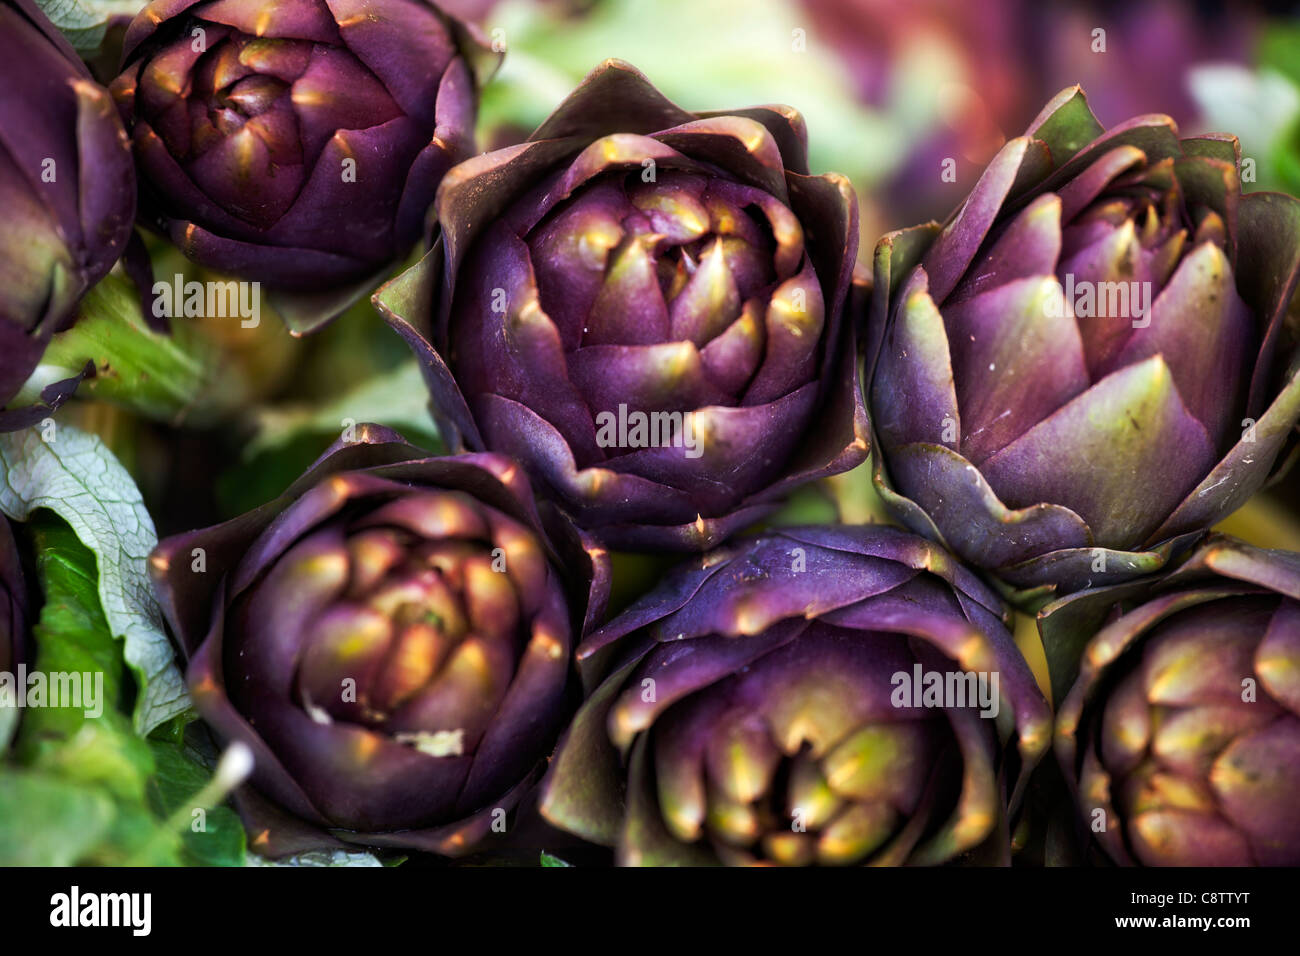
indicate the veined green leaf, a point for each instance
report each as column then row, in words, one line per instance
column 83, row 21
column 213, row 836
column 71, row 473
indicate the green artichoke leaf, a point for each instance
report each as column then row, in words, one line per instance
column 93, row 744
column 84, row 22
column 45, row 821
column 81, row 786
column 211, row 836
column 181, row 376
column 70, row 472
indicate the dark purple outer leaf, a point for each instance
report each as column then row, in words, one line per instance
column 1180, row 734
column 567, row 284
column 1060, row 449
column 302, row 145
column 14, row 610
column 67, row 186
column 750, row 693
column 431, row 585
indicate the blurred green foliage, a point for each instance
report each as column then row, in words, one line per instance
column 78, row 789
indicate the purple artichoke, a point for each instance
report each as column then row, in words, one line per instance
column 392, row 640
column 297, row 142
column 1088, row 365
column 645, row 307
column 1182, row 732
column 14, row 609
column 754, row 710
column 67, row 188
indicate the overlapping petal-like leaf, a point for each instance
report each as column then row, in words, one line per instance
column 751, row 711
column 392, row 639
column 299, row 142
column 14, row 599
column 15, row 619
column 635, row 266
column 67, row 188
column 1088, row 365
column 1181, row 734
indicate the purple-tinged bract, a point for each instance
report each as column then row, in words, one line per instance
column 1089, row 364
column 646, row 307
column 762, row 705
column 67, row 191
column 392, row 638
column 297, row 143
column 15, row 611
column 1181, row 735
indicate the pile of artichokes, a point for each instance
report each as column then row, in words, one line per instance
column 641, row 330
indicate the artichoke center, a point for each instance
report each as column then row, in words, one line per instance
column 248, row 97
column 422, row 642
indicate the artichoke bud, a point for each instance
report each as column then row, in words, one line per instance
column 1056, row 412
column 68, row 188
column 392, row 642
column 770, row 713
column 1181, row 735
column 666, row 262
column 285, row 141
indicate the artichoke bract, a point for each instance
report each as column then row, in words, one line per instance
column 775, row 702
column 392, row 640
column 296, row 143
column 645, row 307
column 1088, row 365
column 67, row 188
column 16, row 617
column 1182, row 732
column 14, row 610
